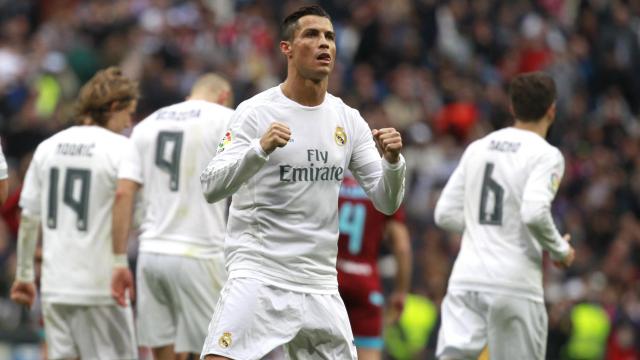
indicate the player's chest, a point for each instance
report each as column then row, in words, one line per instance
column 318, row 139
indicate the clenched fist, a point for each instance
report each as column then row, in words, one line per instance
column 389, row 142
column 568, row 259
column 277, row 135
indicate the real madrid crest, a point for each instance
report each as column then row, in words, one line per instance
column 340, row 136
column 225, row 340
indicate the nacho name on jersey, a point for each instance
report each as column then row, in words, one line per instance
column 504, row 146
column 318, row 169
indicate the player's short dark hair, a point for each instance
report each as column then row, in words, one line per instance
column 290, row 23
column 531, row 95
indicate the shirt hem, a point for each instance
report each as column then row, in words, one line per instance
column 496, row 289
column 284, row 284
column 75, row 299
column 178, row 248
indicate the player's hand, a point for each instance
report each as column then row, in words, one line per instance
column 568, row 259
column 23, row 293
column 277, row 135
column 121, row 282
column 389, row 142
column 396, row 306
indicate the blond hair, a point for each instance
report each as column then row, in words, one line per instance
column 209, row 87
column 107, row 91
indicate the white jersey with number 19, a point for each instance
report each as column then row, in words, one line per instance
column 70, row 185
column 173, row 145
column 487, row 195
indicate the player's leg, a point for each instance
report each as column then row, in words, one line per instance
column 105, row 332
column 369, row 354
column 364, row 303
column 251, row 319
column 57, row 331
column 326, row 331
column 517, row 328
column 197, row 288
column 156, row 325
column 366, row 318
column 463, row 329
column 163, row 352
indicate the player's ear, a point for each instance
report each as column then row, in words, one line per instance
column 551, row 112
column 224, row 98
column 285, row 47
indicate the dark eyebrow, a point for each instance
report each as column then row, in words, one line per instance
column 317, row 31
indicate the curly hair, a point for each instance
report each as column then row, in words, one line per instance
column 107, row 91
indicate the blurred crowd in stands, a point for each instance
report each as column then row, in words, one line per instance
column 435, row 70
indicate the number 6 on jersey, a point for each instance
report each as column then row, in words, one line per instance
column 491, row 198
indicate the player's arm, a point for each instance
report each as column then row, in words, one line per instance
column 535, row 212
column 449, row 212
column 4, row 182
column 129, row 182
column 401, row 246
column 241, row 154
column 23, row 290
column 381, row 178
column 122, row 279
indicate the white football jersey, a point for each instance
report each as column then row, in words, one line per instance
column 4, row 170
column 174, row 145
column 494, row 177
column 70, row 185
column 283, row 220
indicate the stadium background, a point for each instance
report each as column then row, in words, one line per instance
column 435, row 70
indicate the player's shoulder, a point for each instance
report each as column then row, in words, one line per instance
column 337, row 104
column 85, row 133
column 213, row 112
column 160, row 113
column 267, row 97
column 531, row 146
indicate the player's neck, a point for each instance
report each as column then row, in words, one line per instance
column 539, row 127
column 304, row 91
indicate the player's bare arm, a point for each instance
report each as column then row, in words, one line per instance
column 121, row 278
column 4, row 190
column 277, row 135
column 401, row 246
column 389, row 142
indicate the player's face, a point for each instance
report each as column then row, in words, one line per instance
column 313, row 49
column 121, row 119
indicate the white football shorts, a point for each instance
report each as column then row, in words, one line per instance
column 176, row 297
column 253, row 318
column 89, row 332
column 512, row 327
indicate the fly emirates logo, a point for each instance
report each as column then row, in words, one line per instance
column 318, row 169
